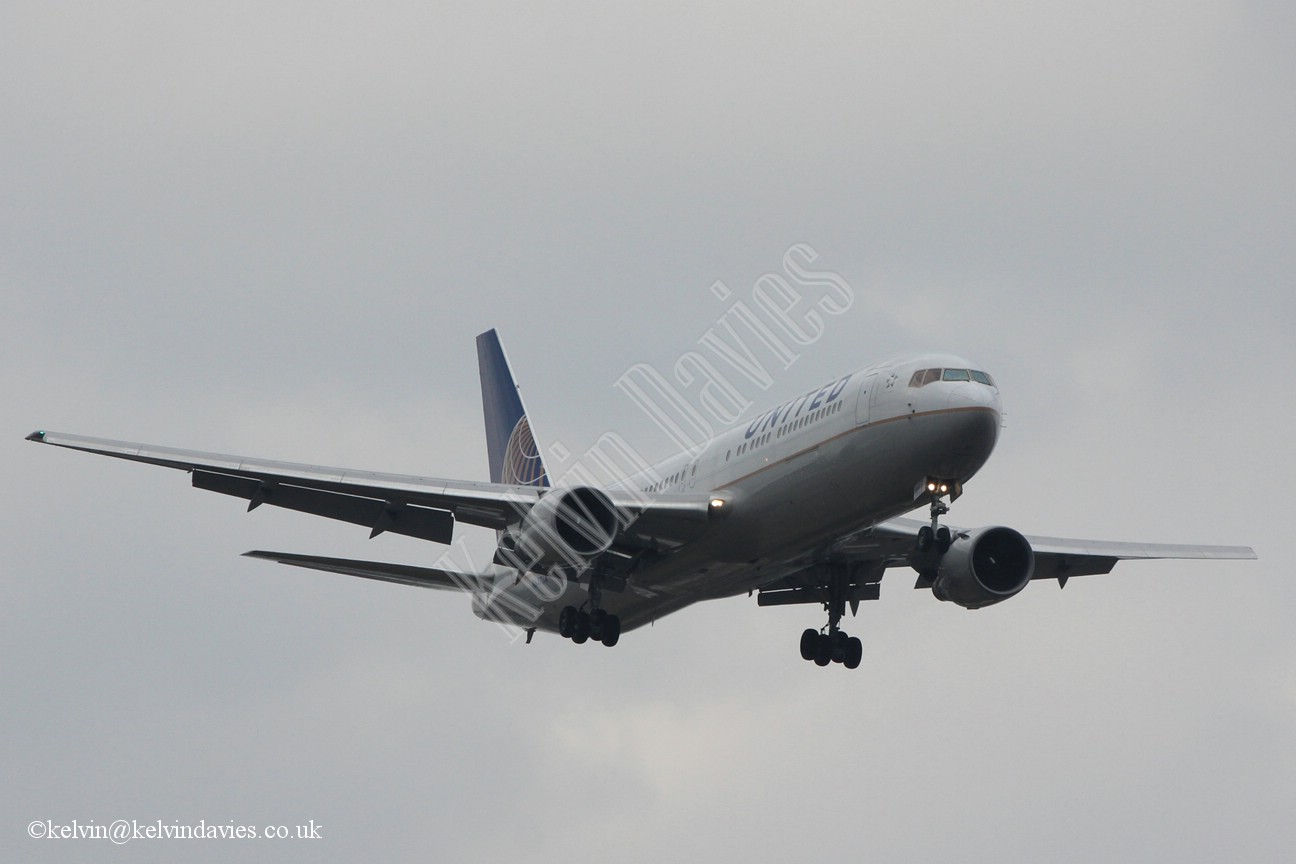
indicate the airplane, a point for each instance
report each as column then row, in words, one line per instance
column 804, row 504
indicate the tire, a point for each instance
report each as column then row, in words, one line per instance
column 582, row 632
column 839, row 643
column 598, row 620
column 925, row 538
column 809, row 644
column 567, row 622
column 611, row 631
column 854, row 653
column 823, row 650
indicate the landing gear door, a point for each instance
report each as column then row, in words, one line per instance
column 864, row 398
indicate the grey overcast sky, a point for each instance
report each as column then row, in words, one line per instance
column 274, row 229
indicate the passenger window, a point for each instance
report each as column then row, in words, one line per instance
column 956, row 375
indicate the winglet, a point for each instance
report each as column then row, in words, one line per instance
column 39, row 435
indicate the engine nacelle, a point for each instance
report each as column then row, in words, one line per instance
column 565, row 528
column 984, row 567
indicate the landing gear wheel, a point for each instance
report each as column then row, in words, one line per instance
column 823, row 650
column 598, row 620
column 611, row 630
column 582, row 632
column 567, row 621
column 809, row 644
column 839, row 640
column 943, row 539
column 926, row 538
column 854, row 653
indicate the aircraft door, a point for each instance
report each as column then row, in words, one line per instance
column 865, row 397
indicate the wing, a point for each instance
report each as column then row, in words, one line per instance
column 1055, row 557
column 423, row 507
column 867, row 554
column 1061, row 558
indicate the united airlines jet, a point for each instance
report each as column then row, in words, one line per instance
column 804, row 504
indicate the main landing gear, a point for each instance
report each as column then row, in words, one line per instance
column 831, row 647
column 580, row 625
column 832, row 644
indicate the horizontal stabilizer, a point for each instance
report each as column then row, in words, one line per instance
column 402, row 574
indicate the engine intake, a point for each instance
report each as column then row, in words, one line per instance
column 984, row 567
column 565, row 528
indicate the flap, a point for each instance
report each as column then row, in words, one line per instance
column 377, row 515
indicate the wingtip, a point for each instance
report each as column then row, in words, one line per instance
column 38, row 435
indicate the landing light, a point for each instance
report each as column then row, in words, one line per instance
column 717, row 503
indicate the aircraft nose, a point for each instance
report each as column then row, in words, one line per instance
column 975, row 395
column 980, row 412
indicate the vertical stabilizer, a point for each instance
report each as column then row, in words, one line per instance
column 514, row 456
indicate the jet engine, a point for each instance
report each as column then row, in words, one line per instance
column 984, row 567
column 565, row 528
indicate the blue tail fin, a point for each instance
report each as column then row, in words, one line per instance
column 514, row 456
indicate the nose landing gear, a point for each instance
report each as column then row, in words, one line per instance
column 934, row 540
column 936, row 536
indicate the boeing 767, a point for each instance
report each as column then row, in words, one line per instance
column 804, row 504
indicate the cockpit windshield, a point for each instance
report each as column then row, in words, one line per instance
column 923, row 377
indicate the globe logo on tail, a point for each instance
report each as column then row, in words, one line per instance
column 522, row 463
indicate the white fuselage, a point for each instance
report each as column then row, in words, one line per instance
column 827, row 463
